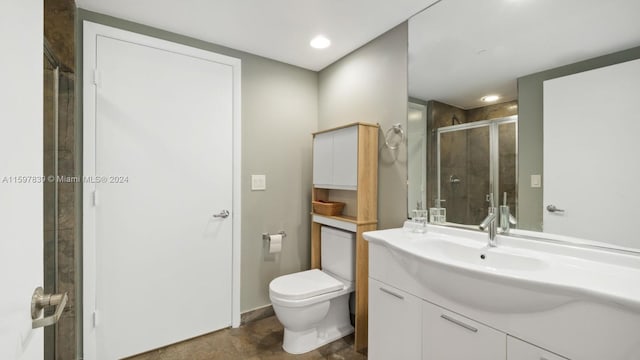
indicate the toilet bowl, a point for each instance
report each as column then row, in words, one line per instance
column 313, row 307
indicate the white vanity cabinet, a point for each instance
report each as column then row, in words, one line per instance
column 405, row 323
column 450, row 336
column 396, row 331
column 520, row 350
column 335, row 159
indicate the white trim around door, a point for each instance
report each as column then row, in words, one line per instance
column 91, row 31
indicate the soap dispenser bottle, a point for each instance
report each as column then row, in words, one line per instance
column 437, row 214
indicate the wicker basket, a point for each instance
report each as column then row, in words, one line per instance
column 329, row 208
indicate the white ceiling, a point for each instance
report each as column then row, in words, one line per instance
column 277, row 29
column 461, row 50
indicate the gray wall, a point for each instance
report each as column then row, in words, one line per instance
column 279, row 112
column 530, row 123
column 370, row 85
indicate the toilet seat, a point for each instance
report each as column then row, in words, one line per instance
column 304, row 285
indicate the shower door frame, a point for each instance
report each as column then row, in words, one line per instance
column 494, row 151
column 50, row 338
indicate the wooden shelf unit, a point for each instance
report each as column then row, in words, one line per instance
column 363, row 218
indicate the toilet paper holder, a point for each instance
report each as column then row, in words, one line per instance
column 267, row 236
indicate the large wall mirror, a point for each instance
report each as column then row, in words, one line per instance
column 529, row 103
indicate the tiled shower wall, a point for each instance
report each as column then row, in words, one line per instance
column 59, row 21
column 465, row 154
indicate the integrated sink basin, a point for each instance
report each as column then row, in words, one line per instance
column 491, row 259
column 517, row 276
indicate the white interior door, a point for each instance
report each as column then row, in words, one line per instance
column 20, row 186
column 591, row 128
column 163, row 163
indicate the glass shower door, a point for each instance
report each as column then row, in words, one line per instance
column 464, row 172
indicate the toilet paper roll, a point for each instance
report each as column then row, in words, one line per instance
column 275, row 243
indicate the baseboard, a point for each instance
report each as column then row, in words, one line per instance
column 256, row 314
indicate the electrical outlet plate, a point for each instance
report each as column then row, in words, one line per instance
column 258, row 182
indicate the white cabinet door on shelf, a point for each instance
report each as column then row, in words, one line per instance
column 345, row 157
column 450, row 336
column 323, row 158
column 395, row 324
column 520, row 350
column 335, row 159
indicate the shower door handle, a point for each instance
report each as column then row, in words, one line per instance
column 223, row 214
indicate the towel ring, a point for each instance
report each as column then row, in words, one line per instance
column 396, row 129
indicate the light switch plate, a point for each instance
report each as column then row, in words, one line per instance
column 258, row 182
column 536, row 181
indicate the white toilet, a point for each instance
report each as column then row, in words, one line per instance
column 313, row 305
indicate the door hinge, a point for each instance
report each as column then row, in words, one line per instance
column 95, row 197
column 96, row 77
column 95, row 318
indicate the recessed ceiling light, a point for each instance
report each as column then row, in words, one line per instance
column 490, row 98
column 320, row 42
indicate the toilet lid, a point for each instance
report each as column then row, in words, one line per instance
column 303, row 285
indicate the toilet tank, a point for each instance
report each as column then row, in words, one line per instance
column 338, row 252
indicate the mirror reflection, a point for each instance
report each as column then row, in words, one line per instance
column 490, row 81
column 475, row 163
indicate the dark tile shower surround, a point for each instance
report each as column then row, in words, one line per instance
column 258, row 340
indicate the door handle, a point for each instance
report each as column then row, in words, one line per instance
column 553, row 209
column 223, row 214
column 39, row 301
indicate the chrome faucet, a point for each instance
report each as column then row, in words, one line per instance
column 490, row 223
column 497, row 222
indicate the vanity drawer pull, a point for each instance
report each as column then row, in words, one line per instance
column 459, row 323
column 392, row 293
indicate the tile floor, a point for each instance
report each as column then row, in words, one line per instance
column 258, row 340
